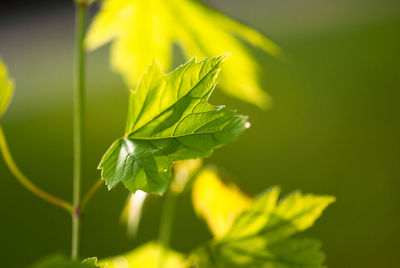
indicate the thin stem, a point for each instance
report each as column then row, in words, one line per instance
column 25, row 181
column 168, row 214
column 90, row 194
column 167, row 219
column 78, row 116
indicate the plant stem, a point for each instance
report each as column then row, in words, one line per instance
column 78, row 116
column 90, row 194
column 25, row 181
column 167, row 219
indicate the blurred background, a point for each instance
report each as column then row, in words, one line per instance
column 333, row 129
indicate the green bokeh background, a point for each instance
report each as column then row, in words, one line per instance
column 333, row 129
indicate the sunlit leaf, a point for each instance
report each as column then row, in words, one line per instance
column 131, row 214
column 145, row 256
column 218, row 203
column 261, row 235
column 294, row 213
column 291, row 253
column 6, row 89
column 169, row 119
column 143, row 30
column 59, row 261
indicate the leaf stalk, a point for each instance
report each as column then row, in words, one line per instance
column 90, row 194
column 25, row 181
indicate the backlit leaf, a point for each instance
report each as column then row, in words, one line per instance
column 261, row 235
column 145, row 256
column 131, row 214
column 169, row 119
column 6, row 89
column 142, row 30
column 218, row 203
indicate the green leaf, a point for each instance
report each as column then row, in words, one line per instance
column 261, row 236
column 144, row 30
column 145, row 256
column 169, row 119
column 294, row 213
column 59, row 261
column 263, row 233
column 6, row 89
column 293, row 253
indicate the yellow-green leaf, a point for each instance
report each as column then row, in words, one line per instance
column 146, row 256
column 169, row 119
column 261, row 233
column 142, row 30
column 6, row 89
column 217, row 203
column 293, row 214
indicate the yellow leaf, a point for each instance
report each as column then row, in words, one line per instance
column 261, row 235
column 145, row 256
column 218, row 203
column 6, row 89
column 144, row 30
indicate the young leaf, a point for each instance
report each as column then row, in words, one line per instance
column 6, row 89
column 169, row 119
column 292, row 253
column 261, row 235
column 293, row 214
column 218, row 203
column 143, row 30
column 145, row 256
column 59, row 261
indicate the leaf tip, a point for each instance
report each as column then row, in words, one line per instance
column 226, row 55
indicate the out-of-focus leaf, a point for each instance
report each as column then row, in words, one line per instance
column 291, row 253
column 132, row 211
column 261, row 235
column 6, row 89
column 143, row 30
column 145, row 256
column 59, row 261
column 293, row 214
column 169, row 120
column 184, row 171
column 217, row 203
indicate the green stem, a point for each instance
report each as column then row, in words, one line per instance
column 78, row 116
column 90, row 194
column 167, row 219
column 25, row 181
